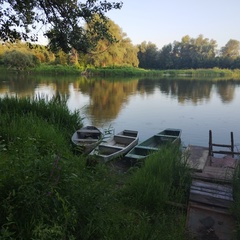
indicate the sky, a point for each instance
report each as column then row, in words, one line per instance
column 163, row 21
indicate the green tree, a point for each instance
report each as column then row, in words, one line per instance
column 165, row 60
column 194, row 53
column 147, row 55
column 231, row 49
column 19, row 60
column 64, row 21
column 122, row 52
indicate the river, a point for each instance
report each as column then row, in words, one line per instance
column 147, row 105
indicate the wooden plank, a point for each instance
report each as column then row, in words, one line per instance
column 208, row 185
column 197, row 157
column 210, row 199
column 215, row 174
column 212, row 191
column 204, row 222
column 210, row 178
column 221, row 145
column 219, row 173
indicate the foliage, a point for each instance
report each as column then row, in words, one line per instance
column 19, row 60
column 57, row 69
column 118, row 53
column 189, row 53
column 231, row 49
column 64, row 21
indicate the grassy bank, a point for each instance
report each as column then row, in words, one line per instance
column 129, row 72
column 195, row 73
column 48, row 192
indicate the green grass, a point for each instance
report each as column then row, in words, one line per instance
column 127, row 71
column 164, row 178
column 57, row 69
column 48, row 192
column 54, row 111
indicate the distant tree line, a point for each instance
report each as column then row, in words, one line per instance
column 190, row 53
column 80, row 34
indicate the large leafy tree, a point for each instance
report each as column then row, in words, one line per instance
column 147, row 55
column 231, row 49
column 120, row 53
column 64, row 21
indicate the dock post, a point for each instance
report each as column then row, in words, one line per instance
column 232, row 144
column 210, row 143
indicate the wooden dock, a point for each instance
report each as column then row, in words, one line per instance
column 211, row 192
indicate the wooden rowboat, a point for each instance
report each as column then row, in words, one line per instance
column 87, row 137
column 154, row 143
column 118, row 145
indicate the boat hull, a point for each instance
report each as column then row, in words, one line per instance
column 117, row 146
column 154, row 143
column 87, row 138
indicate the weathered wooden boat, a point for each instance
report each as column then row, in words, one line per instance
column 154, row 143
column 87, row 138
column 118, row 145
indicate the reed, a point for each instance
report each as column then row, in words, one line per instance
column 164, row 178
column 47, row 192
column 56, row 69
column 54, row 111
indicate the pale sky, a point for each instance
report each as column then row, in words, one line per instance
column 164, row 21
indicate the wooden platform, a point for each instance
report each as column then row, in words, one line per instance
column 211, row 195
column 197, row 157
column 206, row 222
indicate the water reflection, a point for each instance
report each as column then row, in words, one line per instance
column 139, row 102
column 110, row 95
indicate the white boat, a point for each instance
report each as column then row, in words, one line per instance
column 87, row 137
column 117, row 146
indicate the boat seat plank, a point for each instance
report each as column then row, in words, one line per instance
column 166, row 136
column 134, row 156
column 111, row 146
column 88, row 131
column 86, row 140
column 148, row 148
column 124, row 136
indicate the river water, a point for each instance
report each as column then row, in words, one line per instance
column 147, row 105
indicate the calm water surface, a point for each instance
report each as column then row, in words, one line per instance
column 146, row 105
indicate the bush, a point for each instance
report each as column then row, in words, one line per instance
column 19, row 60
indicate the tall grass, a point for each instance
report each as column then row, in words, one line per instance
column 57, row 69
column 49, row 193
column 54, row 111
column 164, row 178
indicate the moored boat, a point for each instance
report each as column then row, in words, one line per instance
column 154, row 143
column 118, row 145
column 87, row 137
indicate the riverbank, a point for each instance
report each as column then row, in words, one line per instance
column 72, row 199
column 127, row 72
